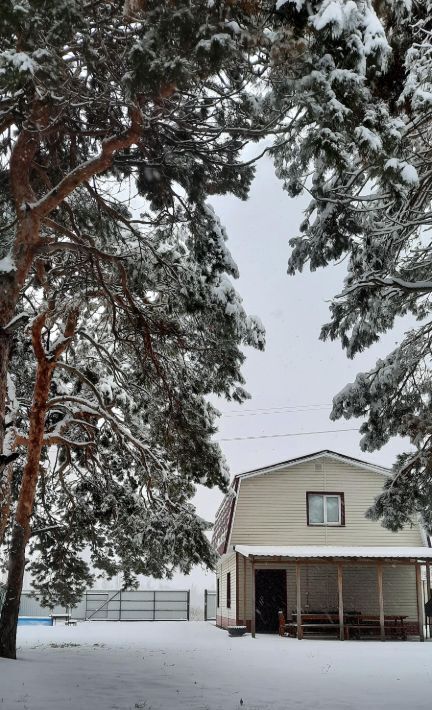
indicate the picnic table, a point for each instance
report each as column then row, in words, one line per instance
column 59, row 617
column 355, row 625
column 367, row 624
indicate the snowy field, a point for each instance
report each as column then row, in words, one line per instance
column 195, row 666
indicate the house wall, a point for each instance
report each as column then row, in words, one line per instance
column 360, row 589
column 271, row 507
column 227, row 616
column 319, row 591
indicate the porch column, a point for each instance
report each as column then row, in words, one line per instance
column 340, row 599
column 244, row 590
column 381, row 599
column 420, row 606
column 428, row 593
column 299, row 614
column 253, row 610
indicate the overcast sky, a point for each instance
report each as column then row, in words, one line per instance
column 296, row 370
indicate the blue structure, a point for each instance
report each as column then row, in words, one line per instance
column 35, row 621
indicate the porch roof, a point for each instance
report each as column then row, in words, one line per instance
column 341, row 552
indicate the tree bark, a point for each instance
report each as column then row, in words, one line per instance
column 28, row 234
column 21, row 529
column 30, row 213
column 5, row 499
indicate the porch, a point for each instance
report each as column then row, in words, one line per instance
column 347, row 592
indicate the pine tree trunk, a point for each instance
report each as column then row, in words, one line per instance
column 5, row 468
column 21, row 528
column 5, row 499
column 10, row 286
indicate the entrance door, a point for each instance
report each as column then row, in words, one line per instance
column 270, row 597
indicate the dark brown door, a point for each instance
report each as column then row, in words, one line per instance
column 270, row 597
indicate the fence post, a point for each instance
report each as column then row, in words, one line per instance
column 120, row 605
column 188, row 604
column 154, row 605
column 205, row 604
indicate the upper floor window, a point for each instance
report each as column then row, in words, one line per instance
column 325, row 509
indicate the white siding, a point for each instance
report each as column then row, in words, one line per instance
column 271, row 508
column 319, row 590
column 244, row 574
column 226, row 616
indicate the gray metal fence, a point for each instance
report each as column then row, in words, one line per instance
column 138, row 605
column 209, row 605
column 119, row 605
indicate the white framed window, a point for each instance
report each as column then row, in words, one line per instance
column 325, row 508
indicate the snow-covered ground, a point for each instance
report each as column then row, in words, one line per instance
column 195, row 666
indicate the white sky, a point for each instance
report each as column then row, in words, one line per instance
column 296, row 369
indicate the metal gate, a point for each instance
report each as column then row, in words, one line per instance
column 119, row 605
column 138, row 605
column 209, row 605
column 96, row 605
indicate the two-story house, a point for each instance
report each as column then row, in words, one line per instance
column 294, row 537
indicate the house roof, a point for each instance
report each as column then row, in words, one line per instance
column 340, row 551
column 324, row 453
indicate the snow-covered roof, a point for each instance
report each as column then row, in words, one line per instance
column 340, row 551
column 325, row 453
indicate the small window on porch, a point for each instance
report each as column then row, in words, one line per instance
column 325, row 508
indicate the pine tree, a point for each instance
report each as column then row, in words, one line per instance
column 359, row 139
column 97, row 100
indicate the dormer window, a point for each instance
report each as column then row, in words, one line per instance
column 325, row 508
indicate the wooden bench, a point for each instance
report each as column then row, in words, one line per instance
column 310, row 626
column 59, row 617
column 393, row 626
column 355, row 625
column 310, row 622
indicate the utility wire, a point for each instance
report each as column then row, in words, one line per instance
column 291, row 407
column 274, row 413
column 279, row 436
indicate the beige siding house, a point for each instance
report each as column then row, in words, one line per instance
column 294, row 538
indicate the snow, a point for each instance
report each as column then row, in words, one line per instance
column 409, row 174
column 7, row 264
column 195, row 666
column 330, row 14
column 233, row 26
column 368, row 137
column 19, row 60
column 334, row 551
column 407, row 171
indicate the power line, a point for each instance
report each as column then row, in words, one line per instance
column 289, row 407
column 259, row 413
column 279, row 436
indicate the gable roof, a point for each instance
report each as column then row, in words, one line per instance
column 324, row 453
column 225, row 513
